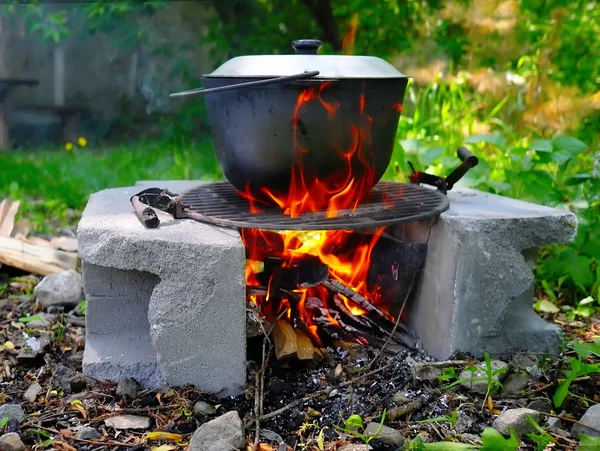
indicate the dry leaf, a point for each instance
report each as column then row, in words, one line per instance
column 64, row 445
column 490, row 404
column 156, row 436
column 163, row 448
column 264, row 447
column 78, row 405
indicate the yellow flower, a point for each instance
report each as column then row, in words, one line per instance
column 69, row 147
column 82, row 142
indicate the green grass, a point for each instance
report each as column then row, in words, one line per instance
column 70, row 177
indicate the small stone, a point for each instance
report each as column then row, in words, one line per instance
column 554, row 424
column 68, row 380
column 386, row 435
column 88, row 433
column 354, row 447
column 11, row 442
column 11, row 412
column 515, row 384
column 224, row 433
column 402, row 397
column 32, row 392
column 543, row 405
column 477, row 381
column 591, row 419
column 127, row 387
column 61, row 288
column 204, row 408
column 516, row 419
column 75, row 358
column 128, row 422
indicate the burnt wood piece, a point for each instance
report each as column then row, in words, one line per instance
column 395, row 269
column 305, row 273
column 339, row 288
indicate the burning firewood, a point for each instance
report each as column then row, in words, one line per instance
column 290, row 343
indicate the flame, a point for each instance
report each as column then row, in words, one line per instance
column 347, row 255
column 348, row 40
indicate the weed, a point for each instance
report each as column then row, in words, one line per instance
column 355, row 426
column 542, row 438
column 452, row 419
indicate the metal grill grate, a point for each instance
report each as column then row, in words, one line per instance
column 387, row 203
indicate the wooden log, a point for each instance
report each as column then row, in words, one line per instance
column 32, row 252
column 28, row 263
column 305, row 349
column 285, row 339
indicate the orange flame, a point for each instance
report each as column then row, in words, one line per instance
column 348, row 40
column 346, row 254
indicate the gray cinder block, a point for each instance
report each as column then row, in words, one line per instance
column 476, row 292
column 166, row 305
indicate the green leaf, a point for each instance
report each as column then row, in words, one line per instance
column 584, row 350
column 430, row 154
column 354, row 422
column 495, row 140
column 566, row 143
column 576, row 179
column 541, row 145
column 443, row 446
column 3, row 422
column 492, row 440
column 587, row 443
column 545, row 306
column 578, row 368
column 28, row 319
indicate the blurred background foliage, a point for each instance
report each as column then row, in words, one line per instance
column 517, row 80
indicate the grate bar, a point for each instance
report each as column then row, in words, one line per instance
column 387, row 204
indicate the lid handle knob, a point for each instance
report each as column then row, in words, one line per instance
column 307, row 46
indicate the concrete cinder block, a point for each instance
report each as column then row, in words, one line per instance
column 476, row 293
column 186, row 279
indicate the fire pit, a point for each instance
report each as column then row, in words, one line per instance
column 308, row 241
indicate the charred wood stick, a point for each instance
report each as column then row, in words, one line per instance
column 339, row 288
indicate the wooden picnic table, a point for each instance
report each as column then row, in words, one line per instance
column 6, row 86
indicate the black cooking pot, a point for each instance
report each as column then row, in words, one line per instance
column 328, row 117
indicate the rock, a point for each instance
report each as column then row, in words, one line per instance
column 11, row 442
column 204, row 408
column 75, row 358
column 402, row 397
column 221, row 434
column 11, row 412
column 386, row 435
column 477, row 381
column 354, row 447
column 32, row 392
column 554, row 424
column 128, row 422
column 543, row 405
column 127, row 387
column 516, row 419
column 88, row 433
column 590, row 418
column 68, row 380
column 61, row 288
column 515, row 384
column 45, row 320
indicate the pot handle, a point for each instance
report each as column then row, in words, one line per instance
column 249, row 84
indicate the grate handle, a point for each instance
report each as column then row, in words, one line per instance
column 468, row 161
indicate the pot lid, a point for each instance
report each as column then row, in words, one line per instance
column 306, row 59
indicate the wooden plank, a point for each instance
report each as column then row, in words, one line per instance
column 62, row 259
column 8, row 211
column 27, row 263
